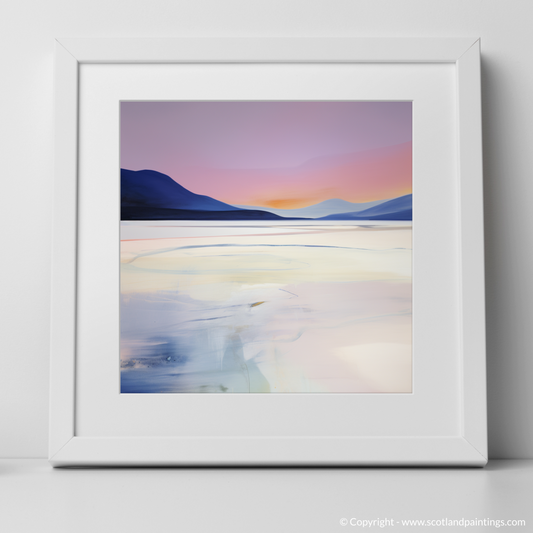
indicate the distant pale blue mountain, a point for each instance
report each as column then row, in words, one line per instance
column 396, row 209
column 320, row 210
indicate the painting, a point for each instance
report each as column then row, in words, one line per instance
column 266, row 247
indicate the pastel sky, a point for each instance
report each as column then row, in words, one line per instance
column 273, row 154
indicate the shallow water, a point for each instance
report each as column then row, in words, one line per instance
column 265, row 308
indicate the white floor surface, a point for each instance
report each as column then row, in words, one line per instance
column 37, row 498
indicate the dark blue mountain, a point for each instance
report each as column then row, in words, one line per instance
column 396, row 209
column 151, row 195
column 148, row 188
column 162, row 213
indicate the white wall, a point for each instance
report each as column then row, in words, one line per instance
column 27, row 32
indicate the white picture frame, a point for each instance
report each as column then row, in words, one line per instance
column 466, row 445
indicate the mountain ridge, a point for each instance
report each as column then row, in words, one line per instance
column 152, row 195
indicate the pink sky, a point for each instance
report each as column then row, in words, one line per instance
column 273, row 154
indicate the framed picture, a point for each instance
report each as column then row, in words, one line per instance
column 288, row 269
column 268, row 251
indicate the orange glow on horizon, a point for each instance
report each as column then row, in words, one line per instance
column 287, row 203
